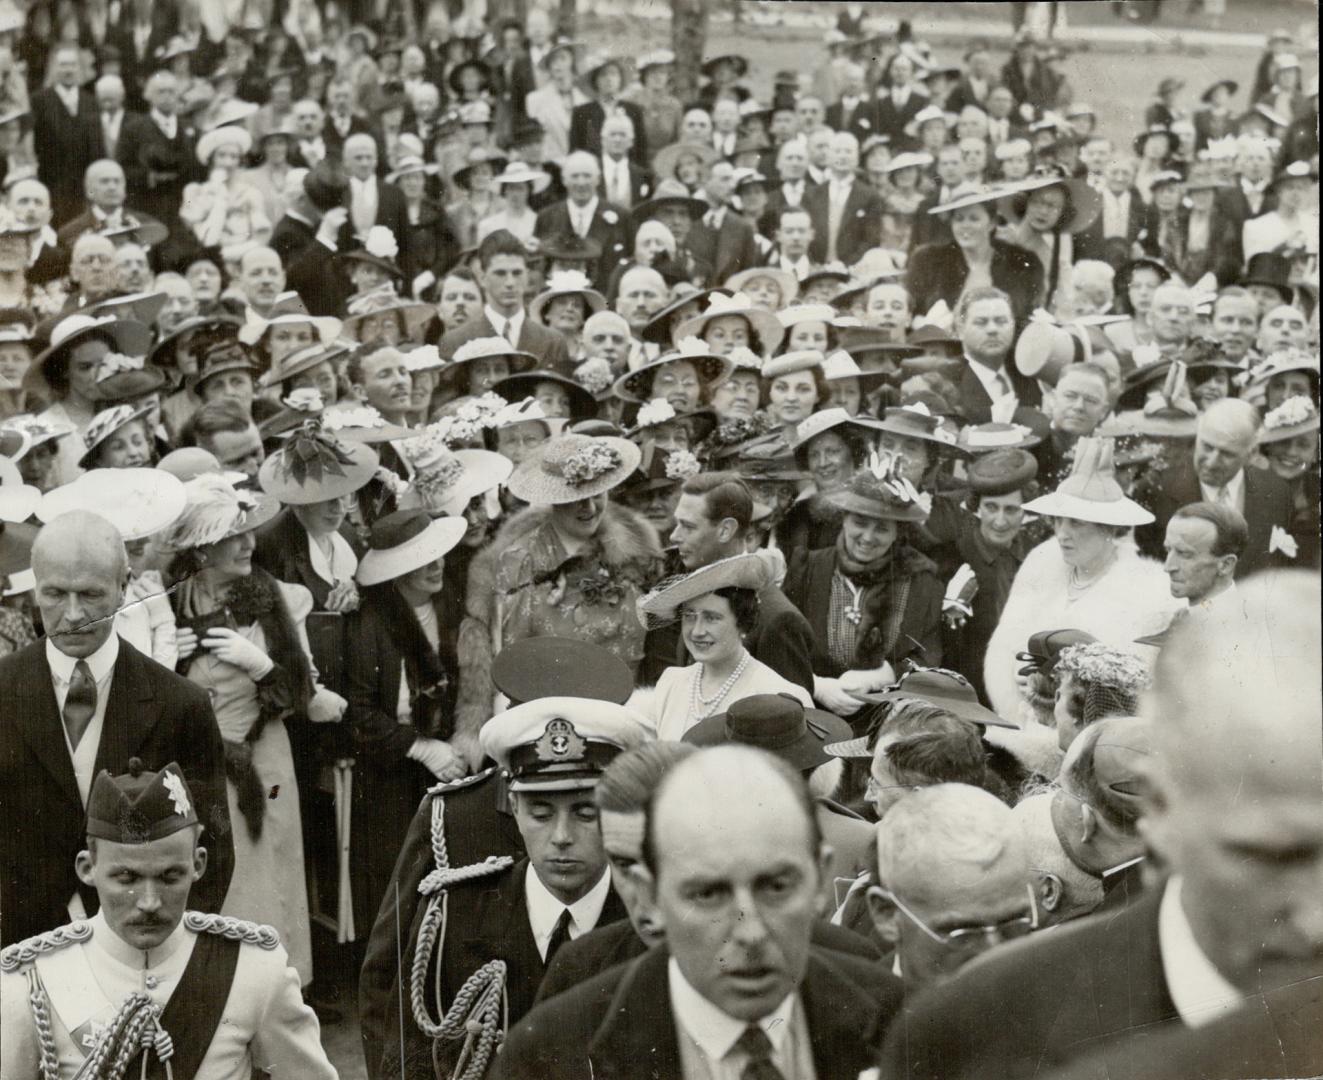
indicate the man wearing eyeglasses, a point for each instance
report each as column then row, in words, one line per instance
column 953, row 874
column 1232, row 806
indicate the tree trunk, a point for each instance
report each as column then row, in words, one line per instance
column 689, row 41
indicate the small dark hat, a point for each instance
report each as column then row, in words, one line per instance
column 226, row 354
column 1272, row 269
column 539, row 667
column 572, row 247
column 777, row 723
column 138, row 807
column 1001, row 472
column 1045, row 647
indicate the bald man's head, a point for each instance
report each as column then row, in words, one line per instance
column 1235, row 806
column 81, row 569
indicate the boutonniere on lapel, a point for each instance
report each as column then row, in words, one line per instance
column 860, row 212
column 863, row 122
column 1282, row 541
column 643, row 190
column 610, row 217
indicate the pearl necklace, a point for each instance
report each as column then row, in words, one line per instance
column 701, row 707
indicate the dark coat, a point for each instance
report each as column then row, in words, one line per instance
column 926, row 228
column 892, row 118
column 1090, row 244
column 152, row 714
column 143, row 149
column 1274, row 1035
column 586, row 130
column 613, row 235
column 808, row 587
column 1222, row 257
column 320, row 279
column 1086, row 985
column 938, row 272
column 861, row 121
column 291, row 237
column 1268, row 503
column 1237, row 205
column 64, row 147
column 860, row 228
column 975, row 405
column 478, row 824
column 640, row 183
column 547, row 345
column 585, row 957
column 86, row 222
column 1038, row 88
column 391, row 212
column 727, row 250
column 605, row 1028
column 428, row 244
column 335, row 142
column 487, row 919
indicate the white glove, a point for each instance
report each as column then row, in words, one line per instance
column 186, row 641
column 957, row 604
column 870, row 681
column 233, row 648
column 328, row 230
column 831, row 696
column 437, row 757
column 326, row 707
column 421, row 282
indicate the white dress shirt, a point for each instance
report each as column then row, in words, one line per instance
column 800, row 268
column 544, row 909
column 1230, row 494
column 169, row 125
column 615, row 181
column 110, row 128
column 340, row 566
column 102, row 665
column 793, row 191
column 512, row 325
column 313, row 150
column 1198, row 990
column 707, row 1036
column 997, row 384
column 581, row 217
column 724, row 143
column 1116, row 214
column 68, row 95
column 363, row 203
column 998, row 130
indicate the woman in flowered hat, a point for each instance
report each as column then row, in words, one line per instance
column 1288, row 442
column 118, row 438
column 381, row 316
column 1088, row 576
column 737, row 398
column 717, row 608
column 16, row 291
column 316, row 368
column 567, row 303
column 37, row 454
column 731, row 322
column 572, row 565
column 225, row 209
column 830, row 446
column 1285, row 374
column 242, row 638
column 684, row 377
column 872, row 599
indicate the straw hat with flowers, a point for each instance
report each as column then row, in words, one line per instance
column 573, row 467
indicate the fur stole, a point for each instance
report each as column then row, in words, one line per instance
column 1131, row 600
column 625, row 537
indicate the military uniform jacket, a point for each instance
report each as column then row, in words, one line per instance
column 487, row 920
column 221, row 1030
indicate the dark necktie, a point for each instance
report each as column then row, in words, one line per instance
column 758, row 1046
column 559, row 935
column 79, row 703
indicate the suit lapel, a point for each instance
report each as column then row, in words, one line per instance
column 1133, row 992
column 129, row 717
column 841, row 1022
column 40, row 721
column 637, row 1036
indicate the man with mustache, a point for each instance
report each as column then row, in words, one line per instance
column 217, row 993
column 733, row 866
column 78, row 702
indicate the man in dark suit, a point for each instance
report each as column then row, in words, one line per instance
column 106, row 187
column 712, row 519
column 729, row 989
column 624, row 184
column 855, row 112
column 607, row 81
column 1113, row 234
column 721, row 238
column 503, row 275
column 1218, row 471
column 81, row 701
column 846, row 212
column 976, row 81
column 584, row 213
column 372, row 201
column 341, row 120
column 985, row 324
column 523, row 912
column 157, row 151
column 1250, row 195
column 1234, row 919
column 66, row 135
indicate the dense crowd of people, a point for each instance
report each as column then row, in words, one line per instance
column 643, row 586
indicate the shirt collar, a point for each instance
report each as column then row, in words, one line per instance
column 119, row 949
column 497, row 320
column 1198, row 990
column 100, row 663
column 1235, row 488
column 714, row 1031
column 165, row 123
column 544, row 909
column 589, row 208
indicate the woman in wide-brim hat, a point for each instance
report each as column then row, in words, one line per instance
column 568, row 301
column 920, row 439
column 849, row 385
column 830, row 445
column 659, row 424
column 684, row 376
column 381, row 315
column 242, row 640
column 1282, row 375
column 516, row 184
column 940, row 270
column 697, row 157
column 402, row 670
column 119, row 438
column 1088, row 576
column 558, row 395
column 766, row 286
column 1047, row 211
column 729, row 322
column 886, row 596
column 286, row 329
column 478, row 365
column 722, row 671
column 572, row 564
column 38, row 449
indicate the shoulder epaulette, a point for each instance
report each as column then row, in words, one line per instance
column 446, row 787
column 241, row 930
column 22, row 953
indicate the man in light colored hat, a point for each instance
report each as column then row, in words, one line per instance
column 552, row 751
column 206, row 995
